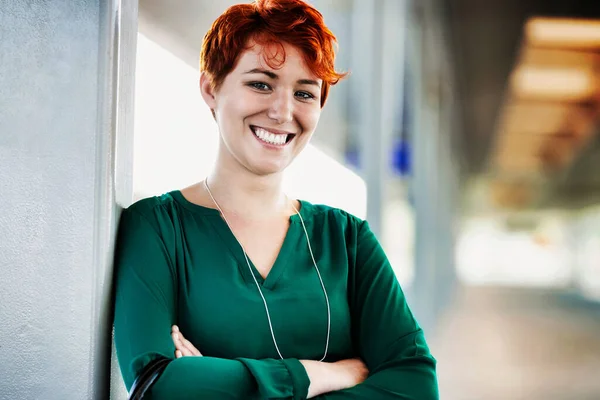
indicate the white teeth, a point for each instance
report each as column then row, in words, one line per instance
column 269, row 137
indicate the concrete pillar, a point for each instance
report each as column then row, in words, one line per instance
column 435, row 173
column 378, row 29
column 66, row 92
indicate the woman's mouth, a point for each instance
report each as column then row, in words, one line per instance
column 273, row 138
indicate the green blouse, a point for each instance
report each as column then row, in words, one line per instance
column 178, row 263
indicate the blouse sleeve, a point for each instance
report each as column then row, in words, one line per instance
column 145, row 310
column 388, row 338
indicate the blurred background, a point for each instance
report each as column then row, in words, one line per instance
column 466, row 133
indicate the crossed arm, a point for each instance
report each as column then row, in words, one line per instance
column 389, row 341
column 324, row 377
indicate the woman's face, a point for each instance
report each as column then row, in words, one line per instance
column 265, row 116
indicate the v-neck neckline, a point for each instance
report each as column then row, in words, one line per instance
column 233, row 245
column 279, row 265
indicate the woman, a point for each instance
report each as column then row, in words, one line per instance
column 252, row 294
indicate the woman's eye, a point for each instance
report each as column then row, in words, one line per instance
column 260, row 86
column 304, row 95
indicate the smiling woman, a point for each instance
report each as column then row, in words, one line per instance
column 243, row 292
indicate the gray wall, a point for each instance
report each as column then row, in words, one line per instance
column 58, row 124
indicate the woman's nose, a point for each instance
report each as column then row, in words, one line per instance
column 281, row 109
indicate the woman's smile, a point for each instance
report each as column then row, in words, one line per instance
column 272, row 138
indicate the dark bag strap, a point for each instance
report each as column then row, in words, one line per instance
column 147, row 377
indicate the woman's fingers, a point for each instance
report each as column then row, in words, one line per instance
column 184, row 350
column 190, row 347
column 183, row 347
column 180, row 345
column 180, row 349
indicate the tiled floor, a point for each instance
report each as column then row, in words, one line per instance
column 517, row 344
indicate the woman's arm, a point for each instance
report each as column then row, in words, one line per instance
column 324, row 377
column 387, row 335
column 145, row 310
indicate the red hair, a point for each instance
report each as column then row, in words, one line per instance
column 270, row 22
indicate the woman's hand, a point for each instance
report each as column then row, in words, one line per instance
column 183, row 347
column 329, row 377
column 351, row 372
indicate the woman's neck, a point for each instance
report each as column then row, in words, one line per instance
column 244, row 194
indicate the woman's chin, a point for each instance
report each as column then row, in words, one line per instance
column 268, row 168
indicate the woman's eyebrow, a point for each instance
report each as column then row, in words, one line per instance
column 309, row 82
column 268, row 73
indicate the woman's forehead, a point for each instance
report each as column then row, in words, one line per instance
column 277, row 57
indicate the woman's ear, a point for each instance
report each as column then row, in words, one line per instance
column 208, row 92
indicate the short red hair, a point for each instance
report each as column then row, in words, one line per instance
column 268, row 22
